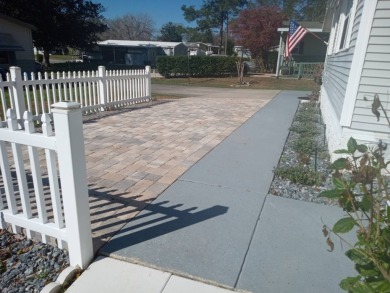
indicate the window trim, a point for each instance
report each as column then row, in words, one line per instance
column 340, row 36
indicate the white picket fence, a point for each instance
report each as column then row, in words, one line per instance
column 94, row 90
column 43, row 182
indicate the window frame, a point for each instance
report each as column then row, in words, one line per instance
column 342, row 24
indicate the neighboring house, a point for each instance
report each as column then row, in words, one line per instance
column 16, row 45
column 307, row 56
column 357, row 67
column 138, row 53
column 201, row 49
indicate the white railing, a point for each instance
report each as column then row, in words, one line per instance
column 43, row 182
column 94, row 90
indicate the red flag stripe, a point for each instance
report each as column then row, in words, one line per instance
column 299, row 34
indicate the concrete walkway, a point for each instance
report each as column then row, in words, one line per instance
column 133, row 156
column 217, row 225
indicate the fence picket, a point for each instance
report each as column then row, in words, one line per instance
column 3, row 103
column 7, row 180
column 53, row 88
column 51, row 160
column 35, row 170
column 19, row 166
column 48, row 98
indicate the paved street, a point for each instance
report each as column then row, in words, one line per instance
column 132, row 157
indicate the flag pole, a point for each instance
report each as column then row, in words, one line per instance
column 326, row 43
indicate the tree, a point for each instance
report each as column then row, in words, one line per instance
column 256, row 29
column 196, row 35
column 308, row 10
column 59, row 23
column 138, row 27
column 214, row 14
column 171, row 32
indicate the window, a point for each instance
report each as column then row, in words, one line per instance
column 345, row 35
column 340, row 35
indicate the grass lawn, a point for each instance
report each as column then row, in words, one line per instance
column 63, row 58
column 254, row 83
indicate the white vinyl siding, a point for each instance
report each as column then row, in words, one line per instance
column 338, row 66
column 375, row 78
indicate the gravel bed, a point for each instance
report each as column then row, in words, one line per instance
column 27, row 265
column 286, row 188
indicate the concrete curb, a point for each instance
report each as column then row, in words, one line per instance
column 64, row 277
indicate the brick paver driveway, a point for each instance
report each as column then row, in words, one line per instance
column 135, row 155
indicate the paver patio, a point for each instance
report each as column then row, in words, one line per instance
column 132, row 157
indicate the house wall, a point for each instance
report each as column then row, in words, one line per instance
column 375, row 77
column 335, row 80
column 313, row 46
column 338, row 65
column 368, row 74
column 180, row 50
column 22, row 35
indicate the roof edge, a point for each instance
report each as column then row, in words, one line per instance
column 17, row 21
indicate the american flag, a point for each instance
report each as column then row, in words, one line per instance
column 294, row 36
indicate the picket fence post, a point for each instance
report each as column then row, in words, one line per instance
column 148, row 71
column 17, row 91
column 68, row 125
column 102, row 86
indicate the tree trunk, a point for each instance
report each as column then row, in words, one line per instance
column 46, row 57
column 227, row 33
column 221, row 34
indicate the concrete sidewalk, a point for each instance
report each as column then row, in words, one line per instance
column 217, row 225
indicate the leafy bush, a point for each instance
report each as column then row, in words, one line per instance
column 307, row 115
column 362, row 190
column 299, row 174
column 39, row 58
column 196, row 66
column 305, row 145
column 305, row 129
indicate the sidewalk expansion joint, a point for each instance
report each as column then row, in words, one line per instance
column 250, row 243
column 218, row 185
column 166, row 283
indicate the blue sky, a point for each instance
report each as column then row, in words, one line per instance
column 159, row 11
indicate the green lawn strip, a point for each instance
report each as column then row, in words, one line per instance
column 231, row 82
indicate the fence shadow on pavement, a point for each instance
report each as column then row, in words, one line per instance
column 110, row 214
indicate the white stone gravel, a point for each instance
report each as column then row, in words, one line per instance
column 286, row 188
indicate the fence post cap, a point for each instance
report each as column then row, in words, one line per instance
column 66, row 105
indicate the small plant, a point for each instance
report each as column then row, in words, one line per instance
column 306, row 145
column 361, row 188
column 299, row 174
column 303, row 159
column 307, row 129
column 42, row 275
column 39, row 58
column 307, row 116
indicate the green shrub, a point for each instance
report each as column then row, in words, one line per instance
column 299, row 174
column 39, row 58
column 305, row 145
column 196, row 66
column 361, row 186
column 307, row 115
column 305, row 129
